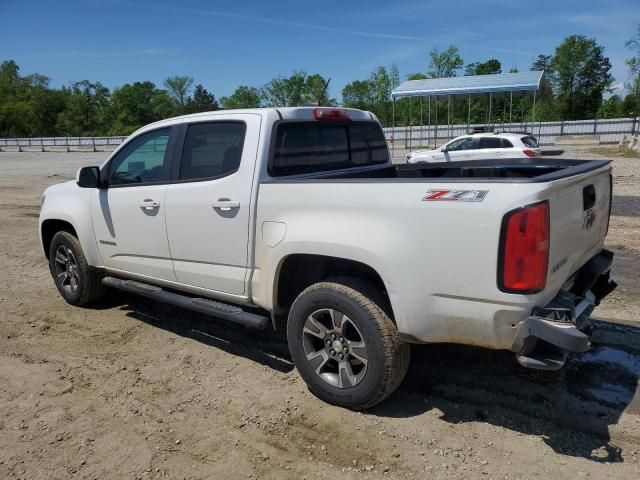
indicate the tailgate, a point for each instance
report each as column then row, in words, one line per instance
column 579, row 218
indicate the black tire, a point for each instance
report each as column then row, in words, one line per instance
column 87, row 287
column 387, row 356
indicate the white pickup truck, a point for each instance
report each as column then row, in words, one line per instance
column 297, row 218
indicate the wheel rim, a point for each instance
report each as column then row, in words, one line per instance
column 66, row 270
column 334, row 348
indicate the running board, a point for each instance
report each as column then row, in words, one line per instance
column 224, row 311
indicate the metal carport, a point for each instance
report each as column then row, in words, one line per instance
column 472, row 85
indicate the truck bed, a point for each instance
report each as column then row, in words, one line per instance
column 525, row 170
column 440, row 259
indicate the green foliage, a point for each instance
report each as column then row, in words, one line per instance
column 580, row 76
column 358, row 94
column 27, row 106
column 547, row 110
column 179, row 87
column 610, row 108
column 296, row 90
column 542, row 63
column 489, row 67
column 417, row 76
column 243, row 97
column 630, row 105
column 444, row 64
column 86, row 112
column 201, row 101
column 633, row 65
column 317, row 90
column 137, row 104
column 373, row 94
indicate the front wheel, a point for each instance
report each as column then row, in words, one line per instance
column 345, row 346
column 76, row 282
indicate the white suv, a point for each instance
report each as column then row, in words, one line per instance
column 480, row 146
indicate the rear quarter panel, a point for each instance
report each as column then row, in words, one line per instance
column 438, row 259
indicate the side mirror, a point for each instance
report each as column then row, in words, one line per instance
column 443, row 149
column 88, row 177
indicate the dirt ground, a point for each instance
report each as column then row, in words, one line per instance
column 133, row 389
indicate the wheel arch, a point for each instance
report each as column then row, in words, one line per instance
column 297, row 271
column 50, row 227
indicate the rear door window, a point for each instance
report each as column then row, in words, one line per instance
column 211, row 150
column 307, row 147
column 506, row 143
column 490, row 142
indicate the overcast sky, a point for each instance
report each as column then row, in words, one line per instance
column 223, row 44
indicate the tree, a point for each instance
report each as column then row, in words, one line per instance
column 489, row 67
column 542, row 63
column 382, row 84
column 28, row 107
column 86, row 110
column 14, row 109
column 394, row 74
column 316, row 90
column 444, row 64
column 297, row 89
column 416, row 76
column 285, row 91
column 580, row 76
column 359, row 94
column 137, row 104
column 243, row 97
column 179, row 87
column 630, row 105
column 274, row 93
column 633, row 65
column 163, row 105
column 610, row 108
column 201, row 101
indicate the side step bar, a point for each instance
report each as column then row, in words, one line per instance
column 221, row 310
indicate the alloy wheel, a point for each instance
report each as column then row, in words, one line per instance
column 334, row 347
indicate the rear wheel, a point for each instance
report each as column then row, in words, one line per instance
column 76, row 282
column 345, row 346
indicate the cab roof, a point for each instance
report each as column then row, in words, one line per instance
column 284, row 113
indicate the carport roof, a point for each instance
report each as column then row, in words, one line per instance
column 472, row 84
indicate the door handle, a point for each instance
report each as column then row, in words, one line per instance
column 148, row 203
column 225, row 204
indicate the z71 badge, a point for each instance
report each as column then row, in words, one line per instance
column 455, row 195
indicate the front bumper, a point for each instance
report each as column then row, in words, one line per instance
column 543, row 339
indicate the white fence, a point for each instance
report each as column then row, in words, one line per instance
column 61, row 143
column 607, row 131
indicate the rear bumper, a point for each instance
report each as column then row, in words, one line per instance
column 544, row 338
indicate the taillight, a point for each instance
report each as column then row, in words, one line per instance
column 529, row 153
column 524, row 249
column 330, row 114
